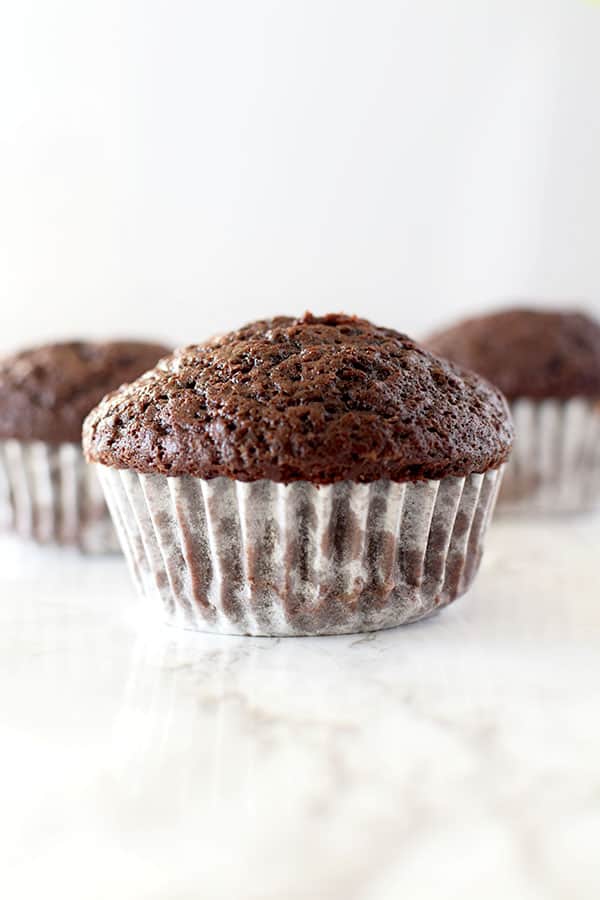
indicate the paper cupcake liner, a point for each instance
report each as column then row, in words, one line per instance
column 270, row 559
column 555, row 463
column 49, row 494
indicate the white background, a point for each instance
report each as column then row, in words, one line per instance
column 175, row 168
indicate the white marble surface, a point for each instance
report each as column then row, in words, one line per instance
column 455, row 758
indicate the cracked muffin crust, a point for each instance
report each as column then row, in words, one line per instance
column 318, row 399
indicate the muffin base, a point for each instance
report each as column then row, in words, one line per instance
column 555, row 464
column 49, row 494
column 262, row 558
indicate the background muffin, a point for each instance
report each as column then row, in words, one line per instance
column 547, row 363
column 316, row 475
column 46, row 490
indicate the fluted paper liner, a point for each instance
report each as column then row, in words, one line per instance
column 271, row 559
column 555, row 463
column 49, row 494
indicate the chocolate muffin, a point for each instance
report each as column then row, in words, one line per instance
column 302, row 476
column 47, row 492
column 547, row 363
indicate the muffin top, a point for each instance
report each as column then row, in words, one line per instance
column 315, row 399
column 46, row 392
column 528, row 353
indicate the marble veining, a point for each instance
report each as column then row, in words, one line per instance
column 456, row 757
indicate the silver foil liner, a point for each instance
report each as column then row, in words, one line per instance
column 555, row 463
column 270, row 559
column 49, row 494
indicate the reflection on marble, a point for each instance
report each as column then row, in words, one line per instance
column 457, row 757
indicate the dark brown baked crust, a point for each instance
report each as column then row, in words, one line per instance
column 315, row 399
column 46, row 392
column 528, row 353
